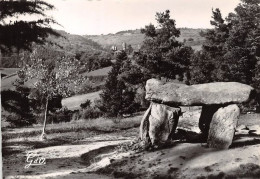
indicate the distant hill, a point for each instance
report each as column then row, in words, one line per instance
column 132, row 37
column 68, row 44
column 191, row 37
column 76, row 43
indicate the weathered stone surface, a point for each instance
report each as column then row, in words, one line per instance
column 241, row 129
column 159, row 123
column 144, row 128
column 189, row 120
column 175, row 94
column 222, row 127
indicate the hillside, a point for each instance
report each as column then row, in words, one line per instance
column 135, row 38
column 76, row 43
column 67, row 43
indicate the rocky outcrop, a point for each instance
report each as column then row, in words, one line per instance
column 159, row 124
column 175, row 94
column 222, row 127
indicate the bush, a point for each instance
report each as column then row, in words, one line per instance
column 62, row 115
column 16, row 120
column 85, row 104
column 91, row 113
column 75, row 116
column 18, row 105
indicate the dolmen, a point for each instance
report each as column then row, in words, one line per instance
column 219, row 115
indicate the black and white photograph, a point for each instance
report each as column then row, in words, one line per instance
column 130, row 89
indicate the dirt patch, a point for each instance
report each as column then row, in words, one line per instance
column 186, row 160
column 61, row 161
column 96, row 155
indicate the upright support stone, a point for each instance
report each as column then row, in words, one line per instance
column 159, row 124
column 162, row 123
column 222, row 127
column 144, row 128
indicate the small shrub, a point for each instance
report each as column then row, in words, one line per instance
column 16, row 120
column 62, row 115
column 85, row 104
column 17, row 104
column 91, row 113
column 75, row 116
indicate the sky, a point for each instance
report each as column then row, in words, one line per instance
column 95, row 17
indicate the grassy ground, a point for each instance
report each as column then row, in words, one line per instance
column 99, row 125
column 99, row 72
column 73, row 103
column 62, row 133
column 67, row 142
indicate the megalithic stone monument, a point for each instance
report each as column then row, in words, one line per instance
column 219, row 109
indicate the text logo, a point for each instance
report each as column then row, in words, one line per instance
column 34, row 160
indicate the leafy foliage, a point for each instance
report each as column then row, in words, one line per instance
column 117, row 98
column 161, row 55
column 52, row 78
column 232, row 49
column 94, row 60
column 131, row 73
column 18, row 105
column 61, row 115
column 85, row 104
column 90, row 112
column 21, row 34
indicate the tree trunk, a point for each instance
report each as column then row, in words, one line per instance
column 43, row 136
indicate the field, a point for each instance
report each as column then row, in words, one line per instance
column 101, row 148
column 98, row 73
column 73, row 103
column 135, row 38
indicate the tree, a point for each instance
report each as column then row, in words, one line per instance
column 130, row 73
column 129, row 49
column 243, row 43
column 17, row 103
column 232, row 48
column 201, row 69
column 117, row 98
column 94, row 60
column 19, row 34
column 161, row 55
column 52, row 78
